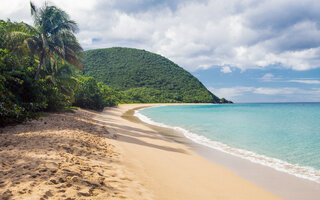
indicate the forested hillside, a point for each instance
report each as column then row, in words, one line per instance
column 142, row 76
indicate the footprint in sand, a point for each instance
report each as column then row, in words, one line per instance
column 53, row 181
column 47, row 195
column 7, row 195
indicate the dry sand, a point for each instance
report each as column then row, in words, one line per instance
column 64, row 156
column 89, row 155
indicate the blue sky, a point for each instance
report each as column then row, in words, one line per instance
column 273, row 84
column 245, row 51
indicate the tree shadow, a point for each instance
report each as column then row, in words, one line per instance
column 43, row 152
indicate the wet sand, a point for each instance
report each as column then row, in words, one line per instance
column 282, row 184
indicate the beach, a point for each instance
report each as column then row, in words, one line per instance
column 83, row 86
column 64, row 156
column 170, row 170
column 103, row 155
column 286, row 180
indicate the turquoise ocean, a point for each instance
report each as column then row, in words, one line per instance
column 284, row 136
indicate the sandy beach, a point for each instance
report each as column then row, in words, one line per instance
column 91, row 155
column 169, row 170
column 64, row 156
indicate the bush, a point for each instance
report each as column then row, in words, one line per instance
column 110, row 97
column 88, row 94
column 93, row 95
column 20, row 96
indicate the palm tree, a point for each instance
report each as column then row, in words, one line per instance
column 52, row 37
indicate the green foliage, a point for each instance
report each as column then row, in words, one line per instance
column 93, row 95
column 141, row 76
column 2, row 33
column 20, row 96
column 110, row 97
column 25, row 51
column 60, row 88
column 51, row 38
column 223, row 100
column 145, row 95
column 88, row 94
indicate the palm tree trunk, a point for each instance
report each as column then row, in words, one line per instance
column 38, row 69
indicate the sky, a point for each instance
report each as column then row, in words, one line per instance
column 243, row 50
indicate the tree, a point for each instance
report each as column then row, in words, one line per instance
column 51, row 38
column 88, row 94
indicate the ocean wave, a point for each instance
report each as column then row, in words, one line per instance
column 280, row 165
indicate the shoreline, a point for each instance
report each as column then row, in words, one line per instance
column 103, row 155
column 283, row 184
column 170, row 169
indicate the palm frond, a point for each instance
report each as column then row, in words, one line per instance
column 29, row 29
column 33, row 8
column 73, row 60
column 52, row 38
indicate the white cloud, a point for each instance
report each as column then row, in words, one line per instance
column 225, row 70
column 305, row 81
column 267, row 77
column 230, row 93
column 198, row 34
column 285, row 94
column 274, row 91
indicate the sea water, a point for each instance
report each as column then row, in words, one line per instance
column 284, row 136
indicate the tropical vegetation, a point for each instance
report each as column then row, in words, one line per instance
column 144, row 77
column 41, row 70
column 37, row 66
column 94, row 95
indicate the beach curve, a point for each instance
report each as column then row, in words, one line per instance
column 170, row 170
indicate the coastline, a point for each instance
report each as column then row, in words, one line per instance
column 94, row 155
column 170, row 169
column 285, row 185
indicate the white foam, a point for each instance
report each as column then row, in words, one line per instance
column 280, row 165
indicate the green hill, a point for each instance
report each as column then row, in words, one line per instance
column 142, row 76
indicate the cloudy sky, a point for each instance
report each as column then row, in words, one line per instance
column 246, row 51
